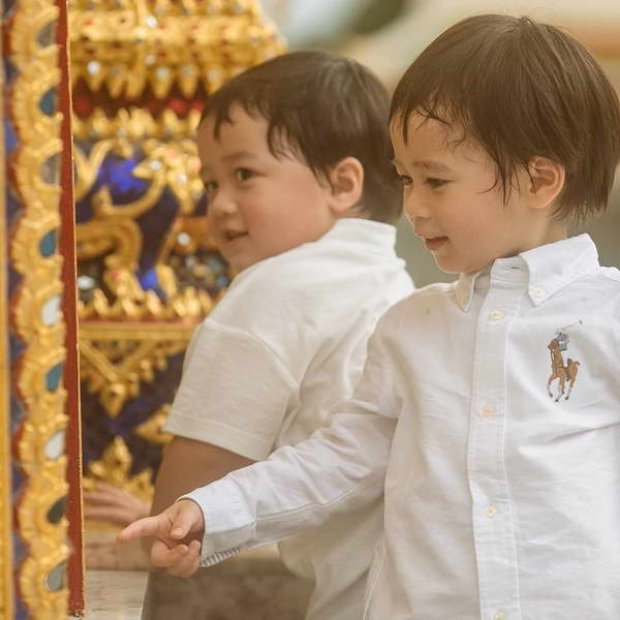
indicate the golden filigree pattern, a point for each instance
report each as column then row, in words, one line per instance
column 6, row 528
column 116, row 359
column 114, row 468
column 151, row 430
column 38, row 321
column 112, row 233
column 187, row 44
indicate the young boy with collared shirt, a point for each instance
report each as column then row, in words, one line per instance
column 302, row 198
column 488, row 412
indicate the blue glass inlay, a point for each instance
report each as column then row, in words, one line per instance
column 53, row 377
column 50, row 170
column 48, row 243
column 47, row 35
column 117, row 173
column 56, row 578
column 57, row 511
column 47, row 103
column 149, row 279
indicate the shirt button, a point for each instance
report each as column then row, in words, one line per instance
column 491, row 511
column 500, row 616
column 488, row 411
column 537, row 292
column 497, row 315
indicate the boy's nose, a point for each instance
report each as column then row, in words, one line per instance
column 415, row 208
column 221, row 204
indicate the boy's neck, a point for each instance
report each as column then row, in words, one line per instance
column 554, row 233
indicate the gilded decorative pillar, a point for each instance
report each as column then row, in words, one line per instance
column 148, row 270
column 32, row 330
column 6, row 522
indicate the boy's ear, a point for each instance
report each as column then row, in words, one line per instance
column 347, row 183
column 546, row 181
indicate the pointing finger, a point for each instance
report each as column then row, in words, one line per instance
column 148, row 526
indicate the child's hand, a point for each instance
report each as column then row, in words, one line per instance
column 178, row 533
column 113, row 505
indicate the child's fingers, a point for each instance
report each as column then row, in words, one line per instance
column 148, row 526
column 187, row 519
column 164, row 557
column 188, row 564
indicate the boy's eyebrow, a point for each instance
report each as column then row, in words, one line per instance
column 427, row 164
column 430, row 165
column 238, row 155
column 242, row 154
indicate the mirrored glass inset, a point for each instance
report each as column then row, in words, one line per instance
column 50, row 170
column 55, row 447
column 50, row 312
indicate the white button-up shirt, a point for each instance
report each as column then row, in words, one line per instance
column 489, row 414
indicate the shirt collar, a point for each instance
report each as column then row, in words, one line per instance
column 547, row 269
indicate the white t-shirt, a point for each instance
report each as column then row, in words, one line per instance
column 288, row 340
column 502, row 492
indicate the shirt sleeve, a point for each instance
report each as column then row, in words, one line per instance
column 234, row 392
column 338, row 469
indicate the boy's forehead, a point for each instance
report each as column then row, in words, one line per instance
column 235, row 117
column 434, row 145
column 420, row 132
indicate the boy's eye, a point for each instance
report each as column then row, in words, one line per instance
column 243, row 174
column 435, row 183
column 404, row 179
column 210, row 186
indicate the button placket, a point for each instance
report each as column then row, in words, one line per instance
column 492, row 520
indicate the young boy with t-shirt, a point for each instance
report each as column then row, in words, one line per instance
column 302, row 201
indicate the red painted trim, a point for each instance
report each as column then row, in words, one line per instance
column 69, row 306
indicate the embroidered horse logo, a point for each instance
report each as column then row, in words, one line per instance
column 560, row 371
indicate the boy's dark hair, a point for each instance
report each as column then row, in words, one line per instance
column 325, row 107
column 521, row 89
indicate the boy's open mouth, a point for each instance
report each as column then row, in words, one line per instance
column 231, row 235
column 434, row 243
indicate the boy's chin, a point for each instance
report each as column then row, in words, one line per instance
column 456, row 267
column 446, row 266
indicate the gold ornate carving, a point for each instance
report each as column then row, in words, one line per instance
column 170, row 162
column 114, row 468
column 151, row 430
column 186, row 43
column 37, row 317
column 6, row 528
column 117, row 358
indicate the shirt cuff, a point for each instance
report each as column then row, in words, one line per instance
column 229, row 525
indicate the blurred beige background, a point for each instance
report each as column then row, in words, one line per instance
column 387, row 35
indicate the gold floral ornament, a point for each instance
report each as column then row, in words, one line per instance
column 114, row 468
column 170, row 163
column 187, row 43
column 151, row 430
column 117, row 358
